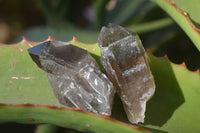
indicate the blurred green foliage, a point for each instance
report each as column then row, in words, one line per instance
column 63, row 19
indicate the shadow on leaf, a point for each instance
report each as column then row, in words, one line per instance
column 168, row 95
column 167, row 98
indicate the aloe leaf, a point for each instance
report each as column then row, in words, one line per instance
column 175, row 104
column 150, row 26
column 26, row 96
column 186, row 14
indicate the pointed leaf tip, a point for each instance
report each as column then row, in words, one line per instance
column 27, row 42
column 50, row 38
column 24, row 39
column 166, row 57
column 75, row 39
column 183, row 64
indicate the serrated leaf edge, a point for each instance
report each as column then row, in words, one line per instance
column 185, row 16
column 74, row 39
column 167, row 58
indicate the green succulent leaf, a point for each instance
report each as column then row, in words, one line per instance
column 186, row 14
column 150, row 26
column 26, row 96
column 174, row 105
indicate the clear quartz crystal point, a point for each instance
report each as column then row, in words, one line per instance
column 74, row 76
column 124, row 60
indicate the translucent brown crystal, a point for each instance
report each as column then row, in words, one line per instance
column 124, row 60
column 75, row 77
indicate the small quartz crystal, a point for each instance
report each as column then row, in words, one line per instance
column 124, row 60
column 74, row 76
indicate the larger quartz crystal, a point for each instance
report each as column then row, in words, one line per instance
column 123, row 58
column 74, row 76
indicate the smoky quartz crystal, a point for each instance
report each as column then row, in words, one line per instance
column 74, row 76
column 124, row 60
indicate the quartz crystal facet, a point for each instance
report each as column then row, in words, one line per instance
column 74, row 76
column 124, row 60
